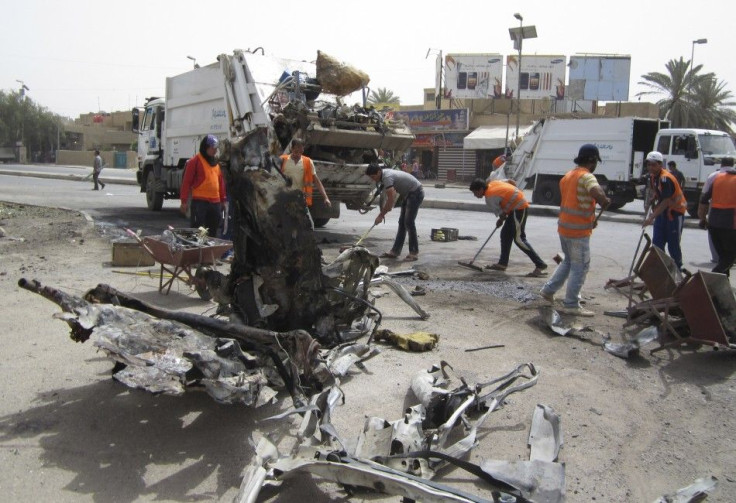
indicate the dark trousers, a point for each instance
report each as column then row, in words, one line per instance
column 96, row 179
column 513, row 231
column 205, row 214
column 724, row 241
column 407, row 223
column 669, row 232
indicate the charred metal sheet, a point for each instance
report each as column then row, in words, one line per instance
column 631, row 347
column 545, row 435
column 695, row 492
column 402, row 293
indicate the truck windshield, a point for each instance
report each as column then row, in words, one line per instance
column 718, row 146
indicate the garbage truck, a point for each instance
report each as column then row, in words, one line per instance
column 547, row 151
column 247, row 95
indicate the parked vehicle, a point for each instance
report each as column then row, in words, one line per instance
column 247, row 94
column 545, row 154
column 698, row 153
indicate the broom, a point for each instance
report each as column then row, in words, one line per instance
column 470, row 265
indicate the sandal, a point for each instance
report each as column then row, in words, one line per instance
column 388, row 255
column 496, row 267
column 411, row 258
column 537, row 273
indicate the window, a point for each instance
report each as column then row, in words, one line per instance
column 663, row 146
column 429, row 97
column 679, row 146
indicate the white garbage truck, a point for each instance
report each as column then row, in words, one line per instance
column 247, row 93
column 546, row 153
column 697, row 153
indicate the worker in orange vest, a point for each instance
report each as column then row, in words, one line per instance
column 505, row 200
column 203, row 179
column 300, row 169
column 668, row 212
column 719, row 196
column 580, row 193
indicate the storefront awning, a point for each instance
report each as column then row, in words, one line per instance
column 490, row 137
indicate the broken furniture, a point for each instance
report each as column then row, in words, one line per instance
column 179, row 252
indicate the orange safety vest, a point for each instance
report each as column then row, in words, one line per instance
column 678, row 197
column 209, row 189
column 724, row 191
column 512, row 198
column 498, row 161
column 308, row 176
column 576, row 219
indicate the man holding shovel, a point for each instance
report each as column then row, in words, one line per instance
column 580, row 193
column 508, row 203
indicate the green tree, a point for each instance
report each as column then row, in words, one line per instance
column 712, row 106
column 383, row 95
column 23, row 120
column 690, row 99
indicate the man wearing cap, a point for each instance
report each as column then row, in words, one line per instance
column 203, row 179
column 668, row 211
column 719, row 195
column 580, row 193
column 505, row 200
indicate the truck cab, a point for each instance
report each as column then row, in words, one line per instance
column 148, row 123
column 698, row 153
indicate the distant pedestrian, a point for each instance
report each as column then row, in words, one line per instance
column 672, row 167
column 96, row 170
column 580, row 192
column 668, row 209
column 204, row 180
column 508, row 203
column 415, row 168
column 721, row 236
column 399, row 184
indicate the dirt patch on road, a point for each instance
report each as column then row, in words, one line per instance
column 633, row 429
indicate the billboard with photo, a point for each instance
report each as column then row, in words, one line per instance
column 600, row 77
column 473, row 76
column 541, row 77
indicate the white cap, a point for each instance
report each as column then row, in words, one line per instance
column 655, row 156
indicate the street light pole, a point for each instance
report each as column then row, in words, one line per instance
column 692, row 68
column 518, row 82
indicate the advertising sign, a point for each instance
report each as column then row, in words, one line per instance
column 600, row 77
column 541, row 77
column 424, row 121
column 473, row 76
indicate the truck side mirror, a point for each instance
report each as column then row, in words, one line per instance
column 136, row 120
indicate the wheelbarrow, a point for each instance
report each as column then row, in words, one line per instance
column 179, row 253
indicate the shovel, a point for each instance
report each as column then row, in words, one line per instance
column 365, row 234
column 470, row 265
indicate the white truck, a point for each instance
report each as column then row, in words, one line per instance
column 247, row 93
column 546, row 153
column 698, row 153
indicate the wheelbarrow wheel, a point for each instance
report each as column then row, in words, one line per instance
column 200, row 283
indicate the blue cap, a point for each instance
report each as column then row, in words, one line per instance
column 211, row 141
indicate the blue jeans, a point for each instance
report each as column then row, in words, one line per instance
column 669, row 232
column 574, row 269
column 407, row 219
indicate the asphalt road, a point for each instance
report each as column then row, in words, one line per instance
column 122, row 205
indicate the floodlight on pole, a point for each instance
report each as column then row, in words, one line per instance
column 194, row 60
column 518, row 35
column 692, row 69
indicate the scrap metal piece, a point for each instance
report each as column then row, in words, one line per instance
column 402, row 293
column 695, row 492
column 545, row 435
column 631, row 348
column 538, row 481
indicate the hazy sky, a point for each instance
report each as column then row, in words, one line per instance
column 80, row 56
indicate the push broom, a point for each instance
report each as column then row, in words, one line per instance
column 470, row 265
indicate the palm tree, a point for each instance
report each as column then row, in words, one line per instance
column 383, row 95
column 711, row 104
column 678, row 86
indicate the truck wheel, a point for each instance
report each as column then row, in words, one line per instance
column 154, row 199
column 547, row 193
column 320, row 222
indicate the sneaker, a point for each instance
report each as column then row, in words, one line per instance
column 549, row 297
column 576, row 311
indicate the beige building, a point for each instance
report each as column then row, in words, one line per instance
column 111, row 133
